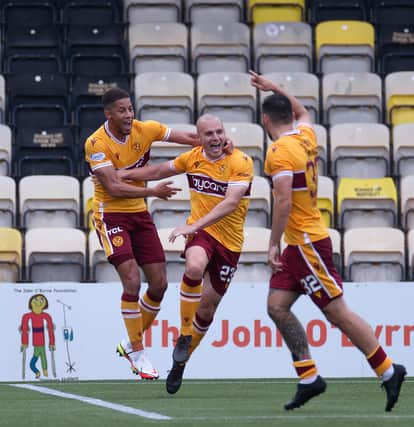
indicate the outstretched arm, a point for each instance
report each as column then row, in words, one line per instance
column 114, row 185
column 148, row 173
column 225, row 207
column 186, row 138
column 261, row 83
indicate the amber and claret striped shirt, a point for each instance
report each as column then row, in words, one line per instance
column 295, row 154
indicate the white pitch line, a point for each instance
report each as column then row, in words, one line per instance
column 96, row 402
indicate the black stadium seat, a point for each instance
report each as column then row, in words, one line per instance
column 331, row 10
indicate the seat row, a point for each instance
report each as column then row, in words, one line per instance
column 336, row 46
column 257, row 11
column 65, row 254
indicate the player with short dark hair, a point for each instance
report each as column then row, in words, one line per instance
column 306, row 265
column 124, row 226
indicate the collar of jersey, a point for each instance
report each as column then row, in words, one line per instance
column 213, row 160
column 112, row 136
column 290, row 132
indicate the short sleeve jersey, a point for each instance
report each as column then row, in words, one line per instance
column 102, row 150
column 295, row 154
column 208, row 182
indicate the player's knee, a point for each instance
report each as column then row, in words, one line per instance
column 193, row 270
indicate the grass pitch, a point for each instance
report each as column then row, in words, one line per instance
column 347, row 402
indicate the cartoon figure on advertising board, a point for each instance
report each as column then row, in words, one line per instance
column 38, row 303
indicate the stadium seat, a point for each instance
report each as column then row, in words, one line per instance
column 249, row 137
column 410, row 244
column 5, row 150
column 360, row 150
column 374, row 254
column 7, row 202
column 282, row 47
column 157, row 47
column 38, row 100
column 88, row 118
column 260, row 207
column 100, row 270
column 173, row 251
column 174, row 211
column 304, row 86
column 158, row 11
column 49, row 201
column 87, row 202
column 165, row 97
column 326, row 200
column 322, row 140
column 162, row 151
column 41, row 152
column 35, row 49
column 392, row 11
column 403, row 149
column 252, row 266
column 351, row 98
column 220, row 47
column 367, row 203
column 87, row 12
column 10, row 255
column 227, row 95
column 336, row 249
column 2, row 99
column 55, row 255
column 276, row 10
column 407, row 202
column 223, row 11
column 395, row 48
column 15, row 13
column 329, row 10
column 345, row 46
column 399, row 95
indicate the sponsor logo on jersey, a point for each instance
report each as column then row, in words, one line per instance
column 115, row 230
column 97, row 157
column 204, row 184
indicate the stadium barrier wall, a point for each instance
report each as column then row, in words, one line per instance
column 242, row 342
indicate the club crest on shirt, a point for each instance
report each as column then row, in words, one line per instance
column 118, row 241
column 222, row 168
column 136, row 147
column 196, row 164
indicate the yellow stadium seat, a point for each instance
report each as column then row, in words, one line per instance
column 367, row 203
column 360, row 150
column 10, row 254
column 326, row 200
column 399, row 95
column 276, row 10
column 345, row 46
column 407, row 202
column 403, row 149
column 374, row 254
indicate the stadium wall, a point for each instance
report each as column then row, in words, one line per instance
column 242, row 343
